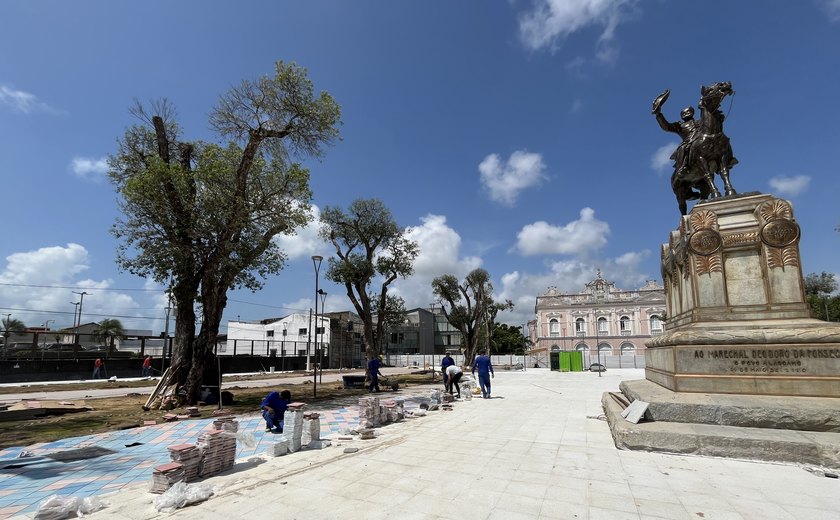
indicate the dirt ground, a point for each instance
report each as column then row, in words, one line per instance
column 118, row 413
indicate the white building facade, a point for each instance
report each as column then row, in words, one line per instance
column 289, row 336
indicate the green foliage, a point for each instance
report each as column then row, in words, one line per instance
column 818, row 288
column 507, row 339
column 820, row 305
column 822, row 283
column 202, row 217
column 108, row 329
column 469, row 306
column 370, row 248
column 11, row 325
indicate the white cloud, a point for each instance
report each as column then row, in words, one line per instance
column 38, row 285
column 568, row 276
column 551, row 21
column 831, row 9
column 661, row 161
column 577, row 237
column 89, row 169
column 505, row 181
column 440, row 253
column 21, row 101
column 790, row 186
column 305, row 242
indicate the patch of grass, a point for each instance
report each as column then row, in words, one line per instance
column 116, row 413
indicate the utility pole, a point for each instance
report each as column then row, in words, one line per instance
column 81, row 301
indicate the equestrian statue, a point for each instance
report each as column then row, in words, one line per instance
column 705, row 149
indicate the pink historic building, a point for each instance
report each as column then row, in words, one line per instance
column 602, row 316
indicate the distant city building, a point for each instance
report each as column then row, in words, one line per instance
column 291, row 335
column 602, row 316
column 424, row 332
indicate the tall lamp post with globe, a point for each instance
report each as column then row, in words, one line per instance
column 316, row 262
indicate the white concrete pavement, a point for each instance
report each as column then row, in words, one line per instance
column 536, row 450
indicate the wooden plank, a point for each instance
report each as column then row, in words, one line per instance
column 163, row 379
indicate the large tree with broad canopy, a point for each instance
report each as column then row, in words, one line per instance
column 201, row 218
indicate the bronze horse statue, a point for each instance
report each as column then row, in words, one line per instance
column 705, row 150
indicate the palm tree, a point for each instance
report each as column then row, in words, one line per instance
column 108, row 330
column 10, row 326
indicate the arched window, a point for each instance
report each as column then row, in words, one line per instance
column 624, row 325
column 655, row 325
column 602, row 326
column 581, row 347
column 554, row 328
column 580, row 326
column 555, row 348
column 628, row 348
column 605, row 347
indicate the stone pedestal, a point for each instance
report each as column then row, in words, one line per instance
column 738, row 322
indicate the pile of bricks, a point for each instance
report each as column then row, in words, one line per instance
column 165, row 476
column 189, row 456
column 312, row 427
column 293, row 428
column 228, row 424
column 279, row 447
column 369, row 413
column 218, row 452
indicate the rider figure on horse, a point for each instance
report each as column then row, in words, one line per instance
column 686, row 129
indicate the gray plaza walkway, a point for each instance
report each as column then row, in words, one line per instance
column 536, row 450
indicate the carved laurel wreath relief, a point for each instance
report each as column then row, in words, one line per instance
column 779, row 233
column 705, row 242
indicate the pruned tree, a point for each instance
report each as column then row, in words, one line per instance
column 370, row 248
column 470, row 306
column 107, row 331
column 201, row 218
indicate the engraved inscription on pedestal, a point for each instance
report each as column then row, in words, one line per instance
column 761, row 360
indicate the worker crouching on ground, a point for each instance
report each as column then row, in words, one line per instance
column 453, row 376
column 274, row 408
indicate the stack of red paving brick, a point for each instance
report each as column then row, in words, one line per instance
column 227, row 424
column 217, row 452
column 189, row 456
column 165, row 476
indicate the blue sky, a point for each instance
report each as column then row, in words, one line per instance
column 516, row 136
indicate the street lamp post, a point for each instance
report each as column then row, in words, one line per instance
column 323, row 296
column 316, row 262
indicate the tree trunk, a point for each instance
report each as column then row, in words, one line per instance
column 182, row 352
